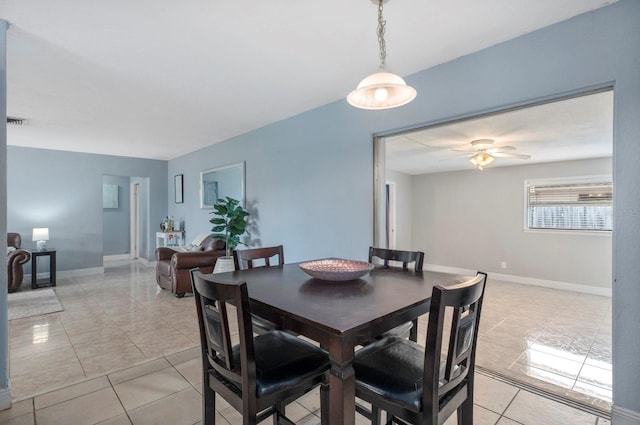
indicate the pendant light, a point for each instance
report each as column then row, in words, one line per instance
column 382, row 90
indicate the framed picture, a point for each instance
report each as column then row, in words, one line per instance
column 109, row 196
column 177, row 180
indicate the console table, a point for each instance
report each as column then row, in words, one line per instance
column 169, row 239
column 51, row 281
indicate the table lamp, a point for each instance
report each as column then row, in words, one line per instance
column 40, row 235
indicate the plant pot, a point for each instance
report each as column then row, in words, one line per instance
column 224, row 264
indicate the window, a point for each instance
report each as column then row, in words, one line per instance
column 579, row 204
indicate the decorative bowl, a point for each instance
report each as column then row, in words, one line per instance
column 336, row 269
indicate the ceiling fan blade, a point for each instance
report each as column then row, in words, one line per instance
column 502, row 149
column 510, row 155
column 464, row 148
column 469, row 155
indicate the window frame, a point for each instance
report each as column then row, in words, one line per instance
column 560, row 181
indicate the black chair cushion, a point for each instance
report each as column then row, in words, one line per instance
column 284, row 361
column 392, row 368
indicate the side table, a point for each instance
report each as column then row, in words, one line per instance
column 51, row 281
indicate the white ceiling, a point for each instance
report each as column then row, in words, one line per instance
column 570, row 129
column 159, row 78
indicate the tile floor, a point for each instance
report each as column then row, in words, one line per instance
column 129, row 350
column 557, row 341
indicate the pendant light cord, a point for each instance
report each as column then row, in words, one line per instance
column 381, row 27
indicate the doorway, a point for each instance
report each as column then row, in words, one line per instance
column 468, row 216
column 125, row 218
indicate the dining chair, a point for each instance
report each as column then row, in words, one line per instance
column 406, row 257
column 244, row 258
column 425, row 386
column 259, row 375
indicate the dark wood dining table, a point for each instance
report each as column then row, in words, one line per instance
column 340, row 315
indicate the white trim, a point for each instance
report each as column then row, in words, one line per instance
column 5, row 396
column 146, row 262
column 553, row 284
column 622, row 416
column 117, row 257
column 69, row 273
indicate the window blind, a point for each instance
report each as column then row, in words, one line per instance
column 571, row 206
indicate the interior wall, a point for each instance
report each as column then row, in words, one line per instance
column 116, row 222
column 475, row 220
column 310, row 177
column 63, row 191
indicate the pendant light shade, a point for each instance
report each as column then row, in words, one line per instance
column 382, row 90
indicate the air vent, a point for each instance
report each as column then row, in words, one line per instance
column 16, row 121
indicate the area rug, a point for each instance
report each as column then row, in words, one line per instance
column 33, row 303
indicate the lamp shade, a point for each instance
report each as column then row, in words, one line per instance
column 40, row 234
column 382, row 90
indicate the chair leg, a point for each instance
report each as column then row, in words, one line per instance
column 324, row 404
column 208, row 405
column 376, row 416
column 280, row 407
column 413, row 333
column 465, row 412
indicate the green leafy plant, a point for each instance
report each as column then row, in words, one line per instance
column 230, row 223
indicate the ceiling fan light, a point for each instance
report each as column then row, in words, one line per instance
column 481, row 159
column 382, row 90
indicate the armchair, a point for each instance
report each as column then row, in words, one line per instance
column 15, row 259
column 173, row 266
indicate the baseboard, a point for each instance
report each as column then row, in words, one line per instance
column 68, row 273
column 622, row 416
column 5, row 397
column 553, row 284
column 146, row 262
column 117, row 257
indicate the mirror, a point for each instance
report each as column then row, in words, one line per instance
column 221, row 182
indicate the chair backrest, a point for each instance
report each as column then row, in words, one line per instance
column 244, row 258
column 406, row 257
column 442, row 389
column 214, row 302
column 211, row 244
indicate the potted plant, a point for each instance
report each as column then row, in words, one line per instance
column 229, row 225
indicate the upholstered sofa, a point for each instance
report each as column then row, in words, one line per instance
column 16, row 257
column 173, row 266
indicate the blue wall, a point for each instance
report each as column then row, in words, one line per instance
column 63, row 191
column 309, row 178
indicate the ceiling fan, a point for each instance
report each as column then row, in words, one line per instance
column 482, row 152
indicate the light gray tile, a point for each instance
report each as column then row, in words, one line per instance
column 18, row 409
column 149, row 388
column 181, row 408
column 191, row 370
column 492, row 394
column 117, row 420
column 27, row 419
column 104, row 405
column 138, row 371
column 531, row 409
column 70, row 392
